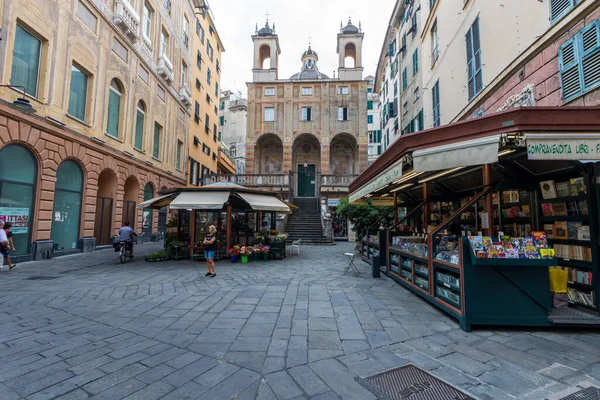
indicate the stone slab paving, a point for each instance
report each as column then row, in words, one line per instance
column 291, row 329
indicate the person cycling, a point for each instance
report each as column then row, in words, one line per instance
column 127, row 234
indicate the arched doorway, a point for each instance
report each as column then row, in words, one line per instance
column 107, row 191
column 132, row 190
column 306, row 160
column 147, row 213
column 18, row 177
column 343, row 155
column 66, row 215
column 269, row 155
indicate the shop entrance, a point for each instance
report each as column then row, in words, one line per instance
column 306, row 180
column 103, row 220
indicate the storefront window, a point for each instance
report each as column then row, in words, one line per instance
column 67, row 206
column 147, row 213
column 18, row 175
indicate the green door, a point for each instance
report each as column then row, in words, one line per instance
column 306, row 181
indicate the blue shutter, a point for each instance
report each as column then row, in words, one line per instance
column 559, row 8
column 589, row 41
column 570, row 73
column 391, row 50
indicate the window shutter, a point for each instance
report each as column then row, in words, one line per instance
column 477, row 57
column 570, row 76
column 590, row 62
column 391, row 50
column 559, row 8
column 421, row 121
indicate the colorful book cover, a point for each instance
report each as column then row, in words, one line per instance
column 517, row 243
column 582, row 207
column 506, row 242
column 481, row 254
column 560, row 209
column 476, row 243
column 572, row 229
column 548, row 190
column 578, row 186
column 539, row 239
column 547, row 210
column 525, row 212
column 512, row 253
column 571, row 208
column 563, row 189
column 560, row 230
column 532, row 255
column 492, row 254
column 583, row 233
column 487, row 242
column 516, row 211
column 547, row 253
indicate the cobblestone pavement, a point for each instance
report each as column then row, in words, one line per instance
column 86, row 326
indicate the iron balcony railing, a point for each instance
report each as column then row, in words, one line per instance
column 250, row 180
column 337, row 180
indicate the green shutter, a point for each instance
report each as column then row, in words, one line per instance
column 416, row 62
column 156, row 143
column 421, row 121
column 404, row 79
column 114, row 114
column 369, row 105
column 139, row 130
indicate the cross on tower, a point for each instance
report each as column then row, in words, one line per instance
column 349, row 15
column 267, row 15
column 310, row 40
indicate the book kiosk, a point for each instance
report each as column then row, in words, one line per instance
column 482, row 240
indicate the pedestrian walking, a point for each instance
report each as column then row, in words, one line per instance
column 209, row 250
column 5, row 243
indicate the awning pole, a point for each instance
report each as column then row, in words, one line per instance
column 229, row 209
column 192, row 233
column 425, row 208
column 396, row 208
column 488, row 206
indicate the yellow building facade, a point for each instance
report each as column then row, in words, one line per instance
column 108, row 82
column 203, row 141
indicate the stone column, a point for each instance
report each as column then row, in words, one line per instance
column 287, row 156
column 250, row 154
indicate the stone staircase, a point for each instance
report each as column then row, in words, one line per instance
column 305, row 223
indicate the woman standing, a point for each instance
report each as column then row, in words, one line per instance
column 209, row 250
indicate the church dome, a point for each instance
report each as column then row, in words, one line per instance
column 309, row 52
column 266, row 30
column 309, row 67
column 308, row 75
column 350, row 29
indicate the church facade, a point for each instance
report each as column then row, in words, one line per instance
column 309, row 126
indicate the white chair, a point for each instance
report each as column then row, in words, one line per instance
column 296, row 245
column 350, row 256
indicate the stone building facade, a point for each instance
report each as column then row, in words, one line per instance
column 107, row 125
column 310, row 124
column 233, row 115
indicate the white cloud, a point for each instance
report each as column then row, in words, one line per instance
column 295, row 21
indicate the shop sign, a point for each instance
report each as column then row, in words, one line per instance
column 563, row 147
column 18, row 217
column 333, row 202
column 388, row 176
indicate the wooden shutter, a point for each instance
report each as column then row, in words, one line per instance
column 570, row 73
column 559, row 8
column 590, row 59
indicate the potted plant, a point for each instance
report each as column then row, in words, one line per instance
column 265, row 251
column 234, row 253
column 177, row 250
column 257, row 250
column 245, row 252
column 157, row 256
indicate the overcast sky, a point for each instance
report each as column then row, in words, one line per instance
column 295, row 21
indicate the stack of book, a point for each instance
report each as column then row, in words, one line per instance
column 589, row 299
column 572, row 252
column 577, row 275
column 516, row 211
column 534, row 247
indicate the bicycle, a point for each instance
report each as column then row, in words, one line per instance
column 124, row 252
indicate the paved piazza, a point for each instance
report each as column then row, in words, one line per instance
column 293, row 329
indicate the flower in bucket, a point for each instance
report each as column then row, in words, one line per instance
column 257, row 248
column 234, row 251
column 274, row 232
column 265, row 249
column 246, row 250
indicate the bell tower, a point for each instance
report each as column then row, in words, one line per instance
column 266, row 54
column 349, row 49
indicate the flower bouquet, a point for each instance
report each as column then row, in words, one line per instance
column 234, row 252
column 245, row 251
column 265, row 251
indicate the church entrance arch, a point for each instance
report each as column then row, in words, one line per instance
column 306, row 159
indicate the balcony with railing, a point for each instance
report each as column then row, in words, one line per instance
column 336, row 181
column 165, row 68
column 185, row 95
column 225, row 162
column 280, row 182
column 127, row 18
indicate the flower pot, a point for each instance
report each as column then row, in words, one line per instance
column 255, row 257
column 266, row 257
column 244, row 259
column 234, row 259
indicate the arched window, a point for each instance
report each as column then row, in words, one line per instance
column 115, row 97
column 350, row 56
column 147, row 214
column 233, row 150
column 265, row 56
column 18, row 177
column 66, row 213
column 139, row 126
